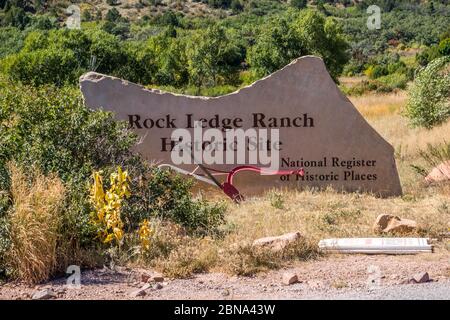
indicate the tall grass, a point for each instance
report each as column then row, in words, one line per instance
column 35, row 220
column 384, row 113
column 379, row 105
column 433, row 156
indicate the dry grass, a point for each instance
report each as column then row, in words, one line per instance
column 325, row 214
column 192, row 257
column 179, row 256
column 176, row 254
column 35, row 221
column 374, row 106
column 317, row 215
column 242, row 258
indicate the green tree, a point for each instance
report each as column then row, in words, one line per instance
column 429, row 96
column 275, row 47
column 212, row 57
column 43, row 66
column 299, row 4
column 444, row 47
column 324, row 37
column 16, row 17
column 11, row 40
column 168, row 18
column 171, row 61
column 280, row 42
column 113, row 15
column 106, row 52
column 236, row 6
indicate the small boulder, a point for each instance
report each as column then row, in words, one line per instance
column 158, row 278
column 158, row 286
column 145, row 277
column 277, row 243
column 439, row 173
column 61, row 291
column 140, row 292
column 386, row 223
column 137, row 293
column 420, row 277
column 43, row 294
column 289, row 278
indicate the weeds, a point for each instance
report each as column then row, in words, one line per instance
column 247, row 260
column 276, row 200
column 433, row 156
column 107, row 205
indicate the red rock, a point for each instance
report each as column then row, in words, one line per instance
column 289, row 278
column 277, row 243
column 145, row 277
column 421, row 277
column 439, row 173
column 388, row 223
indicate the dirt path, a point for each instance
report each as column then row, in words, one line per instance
column 336, row 276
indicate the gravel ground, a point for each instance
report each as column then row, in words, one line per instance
column 332, row 277
column 423, row 291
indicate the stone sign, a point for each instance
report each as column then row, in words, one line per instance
column 318, row 128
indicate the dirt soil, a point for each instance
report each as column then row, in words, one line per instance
column 335, row 276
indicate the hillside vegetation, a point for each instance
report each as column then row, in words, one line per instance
column 213, row 47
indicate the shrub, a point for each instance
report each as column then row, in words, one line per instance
column 44, row 66
column 394, row 81
column 11, row 41
column 299, row 4
column 383, row 84
column 374, row 72
column 15, row 17
column 428, row 55
column 276, row 200
column 353, row 68
column 236, row 6
column 444, row 47
column 429, row 96
column 113, row 2
column 107, row 205
column 43, row 22
column 51, row 129
column 35, row 222
column 167, row 196
column 113, row 15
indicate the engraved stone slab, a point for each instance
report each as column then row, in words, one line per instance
column 319, row 128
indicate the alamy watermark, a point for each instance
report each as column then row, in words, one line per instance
column 374, row 20
column 74, row 20
column 231, row 146
column 74, row 279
